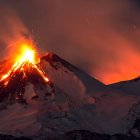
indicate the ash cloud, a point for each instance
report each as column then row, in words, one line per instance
column 11, row 30
column 101, row 37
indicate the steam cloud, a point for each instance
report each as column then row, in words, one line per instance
column 100, row 36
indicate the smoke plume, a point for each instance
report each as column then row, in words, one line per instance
column 100, row 36
column 11, row 30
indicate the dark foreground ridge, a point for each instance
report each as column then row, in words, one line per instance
column 9, row 137
column 77, row 135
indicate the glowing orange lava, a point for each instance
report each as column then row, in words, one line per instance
column 25, row 59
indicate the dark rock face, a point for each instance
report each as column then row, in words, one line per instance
column 77, row 135
column 87, row 135
column 9, row 137
column 135, row 130
column 53, row 58
column 137, row 125
column 123, row 137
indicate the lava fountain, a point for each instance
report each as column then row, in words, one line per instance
column 25, row 60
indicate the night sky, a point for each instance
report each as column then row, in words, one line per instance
column 102, row 37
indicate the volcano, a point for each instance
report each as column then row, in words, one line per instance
column 17, row 80
column 24, row 70
column 47, row 97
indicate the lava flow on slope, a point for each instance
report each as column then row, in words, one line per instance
column 25, row 69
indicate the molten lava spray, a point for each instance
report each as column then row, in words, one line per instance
column 25, row 59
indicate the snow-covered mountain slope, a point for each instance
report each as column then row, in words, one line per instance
column 130, row 86
column 72, row 100
column 70, row 78
column 110, row 105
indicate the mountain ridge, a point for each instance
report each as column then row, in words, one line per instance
column 69, row 98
